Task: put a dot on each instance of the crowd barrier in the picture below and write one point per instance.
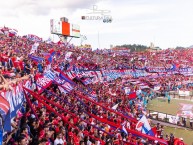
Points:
(171, 119)
(181, 95)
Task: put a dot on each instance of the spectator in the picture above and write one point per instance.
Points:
(58, 139)
(171, 140)
(169, 98)
(40, 67)
(191, 122)
(27, 68)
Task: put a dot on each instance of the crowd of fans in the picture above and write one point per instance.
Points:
(71, 119)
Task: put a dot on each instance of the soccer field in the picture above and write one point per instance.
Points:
(172, 108)
(161, 106)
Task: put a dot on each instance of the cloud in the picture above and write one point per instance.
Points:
(134, 21)
(41, 7)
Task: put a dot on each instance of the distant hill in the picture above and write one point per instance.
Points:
(190, 46)
(134, 47)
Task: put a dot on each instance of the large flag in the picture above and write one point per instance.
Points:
(15, 99)
(4, 107)
(143, 126)
(1, 136)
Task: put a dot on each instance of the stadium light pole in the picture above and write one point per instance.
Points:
(98, 40)
(82, 38)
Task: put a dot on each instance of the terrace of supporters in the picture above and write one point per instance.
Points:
(69, 95)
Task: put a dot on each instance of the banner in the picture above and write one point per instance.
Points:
(36, 58)
(156, 69)
(15, 99)
(183, 93)
(1, 135)
(185, 110)
(42, 81)
(4, 107)
(34, 48)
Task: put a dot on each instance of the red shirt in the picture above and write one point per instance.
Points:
(13, 59)
(76, 140)
(21, 64)
(75, 120)
(116, 142)
(16, 64)
(4, 58)
(180, 143)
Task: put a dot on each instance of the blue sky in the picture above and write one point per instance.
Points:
(166, 23)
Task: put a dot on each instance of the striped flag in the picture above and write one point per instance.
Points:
(4, 107)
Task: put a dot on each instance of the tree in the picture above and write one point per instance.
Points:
(134, 47)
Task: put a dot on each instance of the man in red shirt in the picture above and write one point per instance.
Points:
(180, 142)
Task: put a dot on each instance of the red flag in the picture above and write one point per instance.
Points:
(132, 95)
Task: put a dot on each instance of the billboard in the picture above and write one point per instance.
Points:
(55, 26)
(75, 30)
(64, 28)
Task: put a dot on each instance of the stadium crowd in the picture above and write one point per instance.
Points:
(72, 118)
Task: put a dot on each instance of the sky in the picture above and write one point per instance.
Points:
(166, 23)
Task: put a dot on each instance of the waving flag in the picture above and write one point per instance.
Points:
(49, 41)
(124, 129)
(143, 126)
(68, 55)
(52, 52)
(12, 32)
(36, 58)
(115, 106)
(34, 48)
(34, 38)
(48, 58)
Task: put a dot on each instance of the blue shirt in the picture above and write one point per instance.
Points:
(40, 67)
